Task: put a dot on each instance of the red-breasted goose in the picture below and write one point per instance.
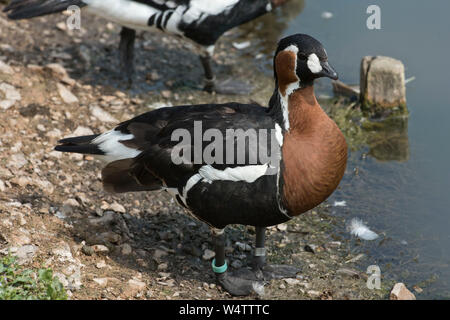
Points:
(202, 21)
(229, 173)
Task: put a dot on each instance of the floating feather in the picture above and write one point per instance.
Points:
(342, 203)
(359, 229)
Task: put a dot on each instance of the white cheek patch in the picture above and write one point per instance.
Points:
(314, 63)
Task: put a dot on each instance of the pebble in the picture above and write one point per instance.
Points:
(17, 161)
(282, 227)
(158, 254)
(400, 292)
(237, 264)
(291, 281)
(162, 266)
(4, 68)
(63, 252)
(134, 286)
(99, 248)
(101, 264)
(117, 207)
(11, 96)
(102, 115)
(66, 95)
(126, 249)
(102, 282)
(81, 131)
(348, 272)
(243, 246)
(25, 254)
(313, 293)
(310, 248)
(208, 254)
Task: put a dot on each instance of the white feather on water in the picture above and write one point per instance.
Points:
(342, 203)
(360, 230)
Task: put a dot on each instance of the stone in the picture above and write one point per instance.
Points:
(102, 115)
(237, 264)
(11, 96)
(101, 264)
(400, 292)
(291, 281)
(99, 248)
(81, 131)
(348, 272)
(134, 286)
(102, 282)
(158, 254)
(4, 68)
(117, 208)
(126, 249)
(87, 250)
(313, 293)
(208, 254)
(243, 246)
(66, 95)
(25, 254)
(18, 160)
(63, 252)
(382, 84)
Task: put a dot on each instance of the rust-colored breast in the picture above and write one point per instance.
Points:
(314, 155)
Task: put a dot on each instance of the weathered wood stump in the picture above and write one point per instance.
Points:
(382, 85)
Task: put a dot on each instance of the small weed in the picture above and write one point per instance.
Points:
(17, 283)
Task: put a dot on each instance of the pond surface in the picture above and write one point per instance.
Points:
(399, 187)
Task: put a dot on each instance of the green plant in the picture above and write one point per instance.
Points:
(17, 283)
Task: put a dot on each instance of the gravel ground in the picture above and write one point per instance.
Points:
(56, 83)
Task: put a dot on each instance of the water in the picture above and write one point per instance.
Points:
(402, 194)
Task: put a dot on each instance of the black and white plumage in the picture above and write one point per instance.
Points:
(307, 156)
(138, 156)
(201, 21)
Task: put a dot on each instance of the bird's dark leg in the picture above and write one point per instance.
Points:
(260, 251)
(209, 75)
(234, 285)
(228, 86)
(126, 51)
(269, 271)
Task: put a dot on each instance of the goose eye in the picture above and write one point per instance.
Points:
(302, 56)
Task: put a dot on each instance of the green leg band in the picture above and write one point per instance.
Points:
(220, 269)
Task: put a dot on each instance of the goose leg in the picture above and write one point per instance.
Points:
(276, 271)
(126, 51)
(234, 285)
(228, 86)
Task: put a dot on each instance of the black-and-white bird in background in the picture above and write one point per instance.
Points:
(202, 21)
(250, 190)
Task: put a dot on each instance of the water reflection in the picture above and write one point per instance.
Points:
(388, 139)
(268, 29)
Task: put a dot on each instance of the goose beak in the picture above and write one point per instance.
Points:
(328, 71)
